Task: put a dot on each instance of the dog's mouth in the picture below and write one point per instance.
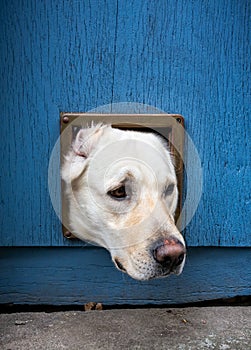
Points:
(119, 265)
(155, 262)
(167, 273)
(154, 275)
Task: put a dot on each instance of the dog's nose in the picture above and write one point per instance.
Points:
(170, 253)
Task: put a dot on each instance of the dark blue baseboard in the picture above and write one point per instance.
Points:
(63, 276)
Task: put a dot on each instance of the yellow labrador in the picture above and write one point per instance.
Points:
(122, 193)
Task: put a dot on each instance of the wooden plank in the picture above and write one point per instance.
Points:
(54, 55)
(190, 58)
(193, 58)
(76, 276)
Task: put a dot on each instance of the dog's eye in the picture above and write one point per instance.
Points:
(118, 193)
(169, 190)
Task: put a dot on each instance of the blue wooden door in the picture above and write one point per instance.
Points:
(186, 57)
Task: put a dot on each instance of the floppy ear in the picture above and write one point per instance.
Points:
(84, 143)
(87, 139)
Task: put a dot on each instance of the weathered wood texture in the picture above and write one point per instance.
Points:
(77, 276)
(187, 57)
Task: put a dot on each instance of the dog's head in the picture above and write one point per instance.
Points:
(122, 192)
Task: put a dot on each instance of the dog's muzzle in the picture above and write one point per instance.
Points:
(165, 257)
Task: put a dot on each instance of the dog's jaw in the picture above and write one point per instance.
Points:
(147, 270)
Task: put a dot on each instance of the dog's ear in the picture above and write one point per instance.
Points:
(87, 139)
(84, 143)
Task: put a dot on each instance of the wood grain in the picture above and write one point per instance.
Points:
(70, 276)
(185, 57)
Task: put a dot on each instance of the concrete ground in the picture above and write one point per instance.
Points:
(221, 328)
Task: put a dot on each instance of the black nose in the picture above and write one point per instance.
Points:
(170, 253)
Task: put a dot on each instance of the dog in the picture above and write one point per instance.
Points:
(122, 192)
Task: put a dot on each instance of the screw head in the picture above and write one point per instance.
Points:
(67, 234)
(66, 120)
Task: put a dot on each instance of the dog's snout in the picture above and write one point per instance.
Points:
(170, 253)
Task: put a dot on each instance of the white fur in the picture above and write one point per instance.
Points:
(100, 158)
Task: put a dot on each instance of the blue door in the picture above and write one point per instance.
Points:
(185, 57)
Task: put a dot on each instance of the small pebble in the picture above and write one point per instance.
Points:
(20, 322)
